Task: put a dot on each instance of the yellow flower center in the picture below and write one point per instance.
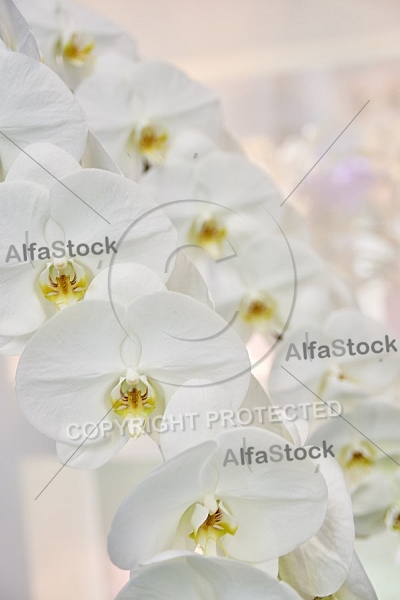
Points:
(77, 50)
(208, 533)
(63, 284)
(257, 310)
(392, 519)
(134, 399)
(360, 455)
(151, 142)
(208, 232)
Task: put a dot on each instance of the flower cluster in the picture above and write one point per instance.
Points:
(204, 275)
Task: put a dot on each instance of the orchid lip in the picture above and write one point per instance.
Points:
(215, 526)
(63, 282)
(360, 455)
(392, 518)
(209, 232)
(134, 398)
(258, 309)
(76, 50)
(150, 141)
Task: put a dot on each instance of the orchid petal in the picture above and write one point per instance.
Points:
(186, 279)
(320, 566)
(96, 156)
(37, 107)
(15, 31)
(357, 585)
(195, 577)
(39, 161)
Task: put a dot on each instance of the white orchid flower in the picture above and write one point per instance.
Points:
(196, 577)
(218, 190)
(269, 287)
(54, 241)
(72, 38)
(334, 369)
(253, 514)
(373, 479)
(94, 367)
(139, 112)
(320, 566)
(36, 107)
(15, 34)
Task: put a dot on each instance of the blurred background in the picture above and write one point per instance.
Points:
(291, 74)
